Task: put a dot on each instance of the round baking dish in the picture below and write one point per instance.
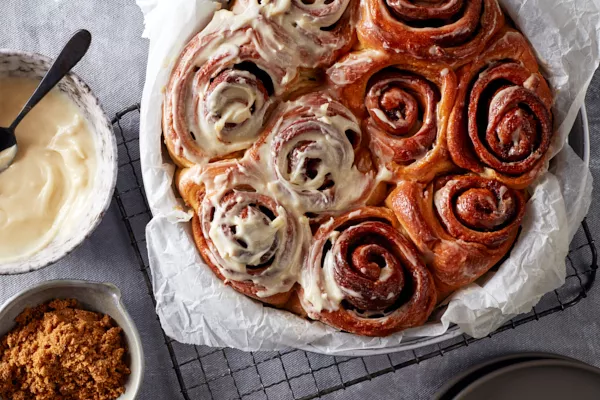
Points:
(14, 63)
(104, 298)
(256, 327)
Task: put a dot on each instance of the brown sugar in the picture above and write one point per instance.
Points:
(58, 351)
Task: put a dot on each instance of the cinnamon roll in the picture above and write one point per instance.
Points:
(405, 104)
(223, 86)
(501, 124)
(451, 31)
(313, 157)
(462, 224)
(321, 30)
(363, 276)
(249, 240)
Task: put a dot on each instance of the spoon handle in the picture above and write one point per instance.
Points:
(70, 55)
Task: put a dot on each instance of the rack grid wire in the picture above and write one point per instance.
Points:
(223, 373)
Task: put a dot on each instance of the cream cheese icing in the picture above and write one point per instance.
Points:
(49, 182)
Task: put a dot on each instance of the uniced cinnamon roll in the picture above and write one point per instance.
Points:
(405, 104)
(462, 224)
(501, 124)
(451, 31)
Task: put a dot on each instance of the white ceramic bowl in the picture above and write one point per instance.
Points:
(104, 298)
(31, 65)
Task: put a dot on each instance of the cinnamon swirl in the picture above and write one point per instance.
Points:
(321, 30)
(462, 224)
(363, 276)
(312, 152)
(451, 31)
(405, 104)
(247, 238)
(223, 86)
(501, 124)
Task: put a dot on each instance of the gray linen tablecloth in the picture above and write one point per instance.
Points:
(115, 69)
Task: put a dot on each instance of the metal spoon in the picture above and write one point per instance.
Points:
(70, 55)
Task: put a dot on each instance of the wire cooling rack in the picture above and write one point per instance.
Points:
(222, 373)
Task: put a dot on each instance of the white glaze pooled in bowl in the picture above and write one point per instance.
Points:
(19, 64)
(48, 184)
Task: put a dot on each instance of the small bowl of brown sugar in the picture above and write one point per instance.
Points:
(69, 340)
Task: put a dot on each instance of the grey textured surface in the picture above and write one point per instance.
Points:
(115, 69)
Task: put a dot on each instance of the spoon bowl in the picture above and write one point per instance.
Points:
(9, 146)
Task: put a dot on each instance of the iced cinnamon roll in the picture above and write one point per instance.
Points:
(363, 276)
(249, 239)
(223, 87)
(320, 30)
(313, 156)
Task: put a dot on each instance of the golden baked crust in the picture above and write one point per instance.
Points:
(406, 296)
(452, 31)
(462, 224)
(375, 84)
(58, 351)
(389, 168)
(492, 150)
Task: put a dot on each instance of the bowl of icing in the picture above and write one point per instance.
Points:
(60, 185)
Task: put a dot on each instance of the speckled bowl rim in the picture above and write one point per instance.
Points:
(25, 267)
(134, 337)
